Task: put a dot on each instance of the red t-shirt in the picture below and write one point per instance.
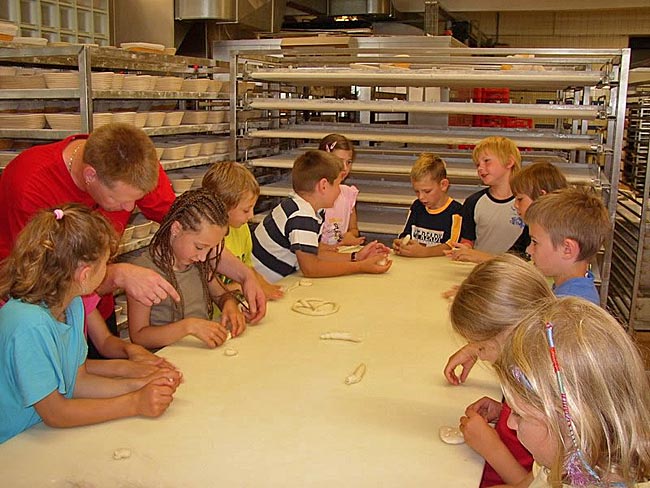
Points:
(509, 438)
(38, 178)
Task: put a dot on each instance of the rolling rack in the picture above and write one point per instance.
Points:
(629, 297)
(290, 87)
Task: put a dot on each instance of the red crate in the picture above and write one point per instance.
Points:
(489, 121)
(491, 95)
(516, 123)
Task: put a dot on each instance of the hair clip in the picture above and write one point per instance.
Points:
(521, 378)
(330, 147)
(58, 213)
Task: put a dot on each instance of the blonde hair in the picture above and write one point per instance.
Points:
(122, 152)
(231, 182)
(332, 142)
(495, 296)
(47, 252)
(311, 167)
(428, 164)
(572, 213)
(537, 179)
(503, 148)
(607, 389)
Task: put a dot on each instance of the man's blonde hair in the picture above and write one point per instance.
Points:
(606, 385)
(537, 179)
(311, 167)
(428, 164)
(503, 148)
(122, 152)
(495, 296)
(573, 213)
(231, 182)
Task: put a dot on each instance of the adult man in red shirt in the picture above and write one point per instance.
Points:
(113, 170)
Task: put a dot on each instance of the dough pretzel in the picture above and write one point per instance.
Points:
(315, 306)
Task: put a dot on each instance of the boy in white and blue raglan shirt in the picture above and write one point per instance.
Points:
(567, 229)
(490, 221)
(287, 238)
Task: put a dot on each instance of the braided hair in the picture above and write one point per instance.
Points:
(191, 210)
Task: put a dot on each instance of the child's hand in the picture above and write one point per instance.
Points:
(487, 408)
(350, 239)
(153, 399)
(212, 333)
(373, 248)
(139, 354)
(232, 317)
(272, 292)
(450, 293)
(478, 433)
(376, 264)
(465, 357)
(463, 252)
(410, 249)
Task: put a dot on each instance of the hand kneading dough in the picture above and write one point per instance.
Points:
(451, 435)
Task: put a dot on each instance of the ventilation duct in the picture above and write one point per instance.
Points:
(225, 10)
(263, 15)
(361, 7)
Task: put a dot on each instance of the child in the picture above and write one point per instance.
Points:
(287, 239)
(238, 190)
(434, 220)
(340, 223)
(186, 251)
(60, 255)
(567, 229)
(580, 397)
(490, 221)
(488, 305)
(527, 186)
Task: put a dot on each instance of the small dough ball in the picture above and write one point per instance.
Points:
(406, 239)
(382, 262)
(305, 282)
(451, 435)
(121, 453)
(229, 352)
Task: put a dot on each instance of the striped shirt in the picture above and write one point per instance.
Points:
(291, 226)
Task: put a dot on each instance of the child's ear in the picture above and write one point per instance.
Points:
(176, 228)
(82, 273)
(511, 162)
(321, 186)
(444, 184)
(570, 249)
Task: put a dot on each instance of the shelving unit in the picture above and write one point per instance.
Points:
(73, 21)
(87, 59)
(629, 298)
(586, 90)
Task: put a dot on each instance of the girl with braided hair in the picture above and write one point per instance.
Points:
(60, 255)
(186, 251)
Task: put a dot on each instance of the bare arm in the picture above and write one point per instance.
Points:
(119, 368)
(314, 266)
(142, 332)
(413, 249)
(234, 269)
(524, 483)
(115, 399)
(145, 285)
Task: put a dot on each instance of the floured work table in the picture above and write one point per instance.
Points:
(278, 414)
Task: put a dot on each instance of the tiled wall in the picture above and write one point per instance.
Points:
(585, 29)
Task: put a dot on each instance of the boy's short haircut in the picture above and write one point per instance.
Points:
(428, 164)
(537, 179)
(572, 213)
(311, 167)
(231, 182)
(124, 153)
(502, 147)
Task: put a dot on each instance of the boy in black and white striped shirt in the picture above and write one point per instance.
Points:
(287, 239)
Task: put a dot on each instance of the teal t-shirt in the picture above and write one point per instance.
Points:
(38, 354)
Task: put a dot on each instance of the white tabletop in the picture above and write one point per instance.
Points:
(278, 414)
